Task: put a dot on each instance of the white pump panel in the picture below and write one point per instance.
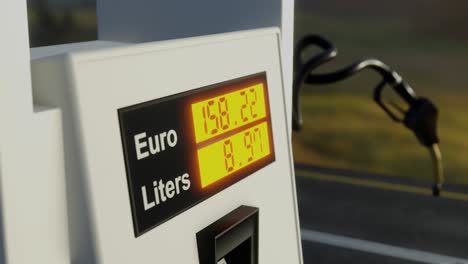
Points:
(90, 86)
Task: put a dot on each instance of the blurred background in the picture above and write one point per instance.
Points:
(426, 41)
(358, 171)
(54, 22)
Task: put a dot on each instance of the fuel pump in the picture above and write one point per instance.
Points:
(165, 140)
(420, 116)
(176, 151)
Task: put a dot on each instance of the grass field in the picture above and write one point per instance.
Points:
(343, 126)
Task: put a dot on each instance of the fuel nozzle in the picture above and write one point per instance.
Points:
(421, 118)
(438, 169)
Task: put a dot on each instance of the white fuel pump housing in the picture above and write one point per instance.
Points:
(119, 100)
(51, 204)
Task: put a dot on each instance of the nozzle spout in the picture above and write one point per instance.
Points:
(437, 168)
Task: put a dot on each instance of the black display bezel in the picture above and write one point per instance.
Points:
(177, 106)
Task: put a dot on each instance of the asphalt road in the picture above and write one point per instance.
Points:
(348, 220)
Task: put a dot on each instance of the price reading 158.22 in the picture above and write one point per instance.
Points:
(227, 112)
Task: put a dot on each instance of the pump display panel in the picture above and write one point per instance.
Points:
(182, 149)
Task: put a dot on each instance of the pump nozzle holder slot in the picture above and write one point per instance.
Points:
(234, 238)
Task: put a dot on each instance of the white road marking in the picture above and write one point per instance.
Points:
(378, 248)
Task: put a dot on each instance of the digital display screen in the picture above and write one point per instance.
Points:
(227, 115)
(182, 149)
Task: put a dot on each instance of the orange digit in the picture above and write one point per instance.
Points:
(244, 106)
(224, 116)
(228, 156)
(258, 138)
(213, 117)
(248, 144)
(253, 102)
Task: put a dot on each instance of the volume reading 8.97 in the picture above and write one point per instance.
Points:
(233, 153)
